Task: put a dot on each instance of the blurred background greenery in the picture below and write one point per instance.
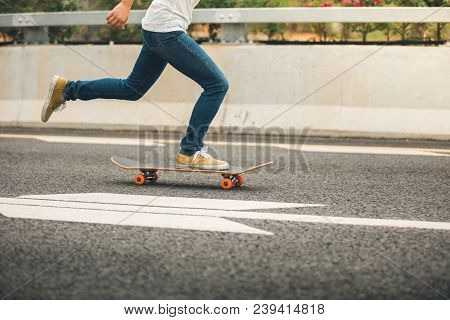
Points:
(269, 32)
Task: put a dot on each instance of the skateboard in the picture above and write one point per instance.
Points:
(149, 172)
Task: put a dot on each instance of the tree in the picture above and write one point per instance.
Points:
(436, 3)
(363, 28)
(403, 29)
(271, 29)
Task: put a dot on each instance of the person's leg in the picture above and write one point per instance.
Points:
(185, 55)
(146, 71)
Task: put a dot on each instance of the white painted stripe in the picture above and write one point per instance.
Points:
(156, 201)
(85, 140)
(303, 147)
(340, 148)
(365, 150)
(138, 219)
(24, 203)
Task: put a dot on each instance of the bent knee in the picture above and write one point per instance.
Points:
(134, 93)
(135, 96)
(220, 85)
(225, 85)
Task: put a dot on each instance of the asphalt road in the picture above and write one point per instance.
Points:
(42, 259)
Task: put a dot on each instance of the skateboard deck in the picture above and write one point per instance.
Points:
(232, 177)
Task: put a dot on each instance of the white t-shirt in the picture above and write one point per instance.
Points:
(169, 15)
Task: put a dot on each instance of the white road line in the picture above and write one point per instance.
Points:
(303, 147)
(340, 148)
(84, 140)
(155, 201)
(367, 150)
(50, 210)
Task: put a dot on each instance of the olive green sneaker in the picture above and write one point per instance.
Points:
(200, 160)
(55, 100)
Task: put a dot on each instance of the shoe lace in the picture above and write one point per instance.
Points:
(204, 153)
(61, 107)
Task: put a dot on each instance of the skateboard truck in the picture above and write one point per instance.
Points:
(228, 181)
(146, 176)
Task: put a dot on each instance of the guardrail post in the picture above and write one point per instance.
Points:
(233, 32)
(36, 35)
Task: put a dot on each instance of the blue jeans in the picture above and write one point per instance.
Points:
(159, 49)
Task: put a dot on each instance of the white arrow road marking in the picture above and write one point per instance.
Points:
(155, 201)
(127, 218)
(302, 147)
(172, 216)
(225, 213)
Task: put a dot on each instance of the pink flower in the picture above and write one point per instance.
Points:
(377, 1)
(357, 4)
(346, 1)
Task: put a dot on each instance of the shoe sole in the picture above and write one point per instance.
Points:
(49, 98)
(182, 166)
(186, 166)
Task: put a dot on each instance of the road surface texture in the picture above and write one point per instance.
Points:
(43, 257)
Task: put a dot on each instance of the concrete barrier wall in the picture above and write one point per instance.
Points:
(363, 91)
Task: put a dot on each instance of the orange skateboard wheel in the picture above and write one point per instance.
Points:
(226, 184)
(239, 181)
(139, 179)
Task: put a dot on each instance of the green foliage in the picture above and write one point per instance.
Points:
(109, 4)
(270, 29)
(39, 5)
(44, 6)
(243, 3)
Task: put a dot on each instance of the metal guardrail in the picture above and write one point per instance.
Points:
(234, 19)
(242, 15)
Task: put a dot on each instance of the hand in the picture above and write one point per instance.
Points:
(118, 16)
